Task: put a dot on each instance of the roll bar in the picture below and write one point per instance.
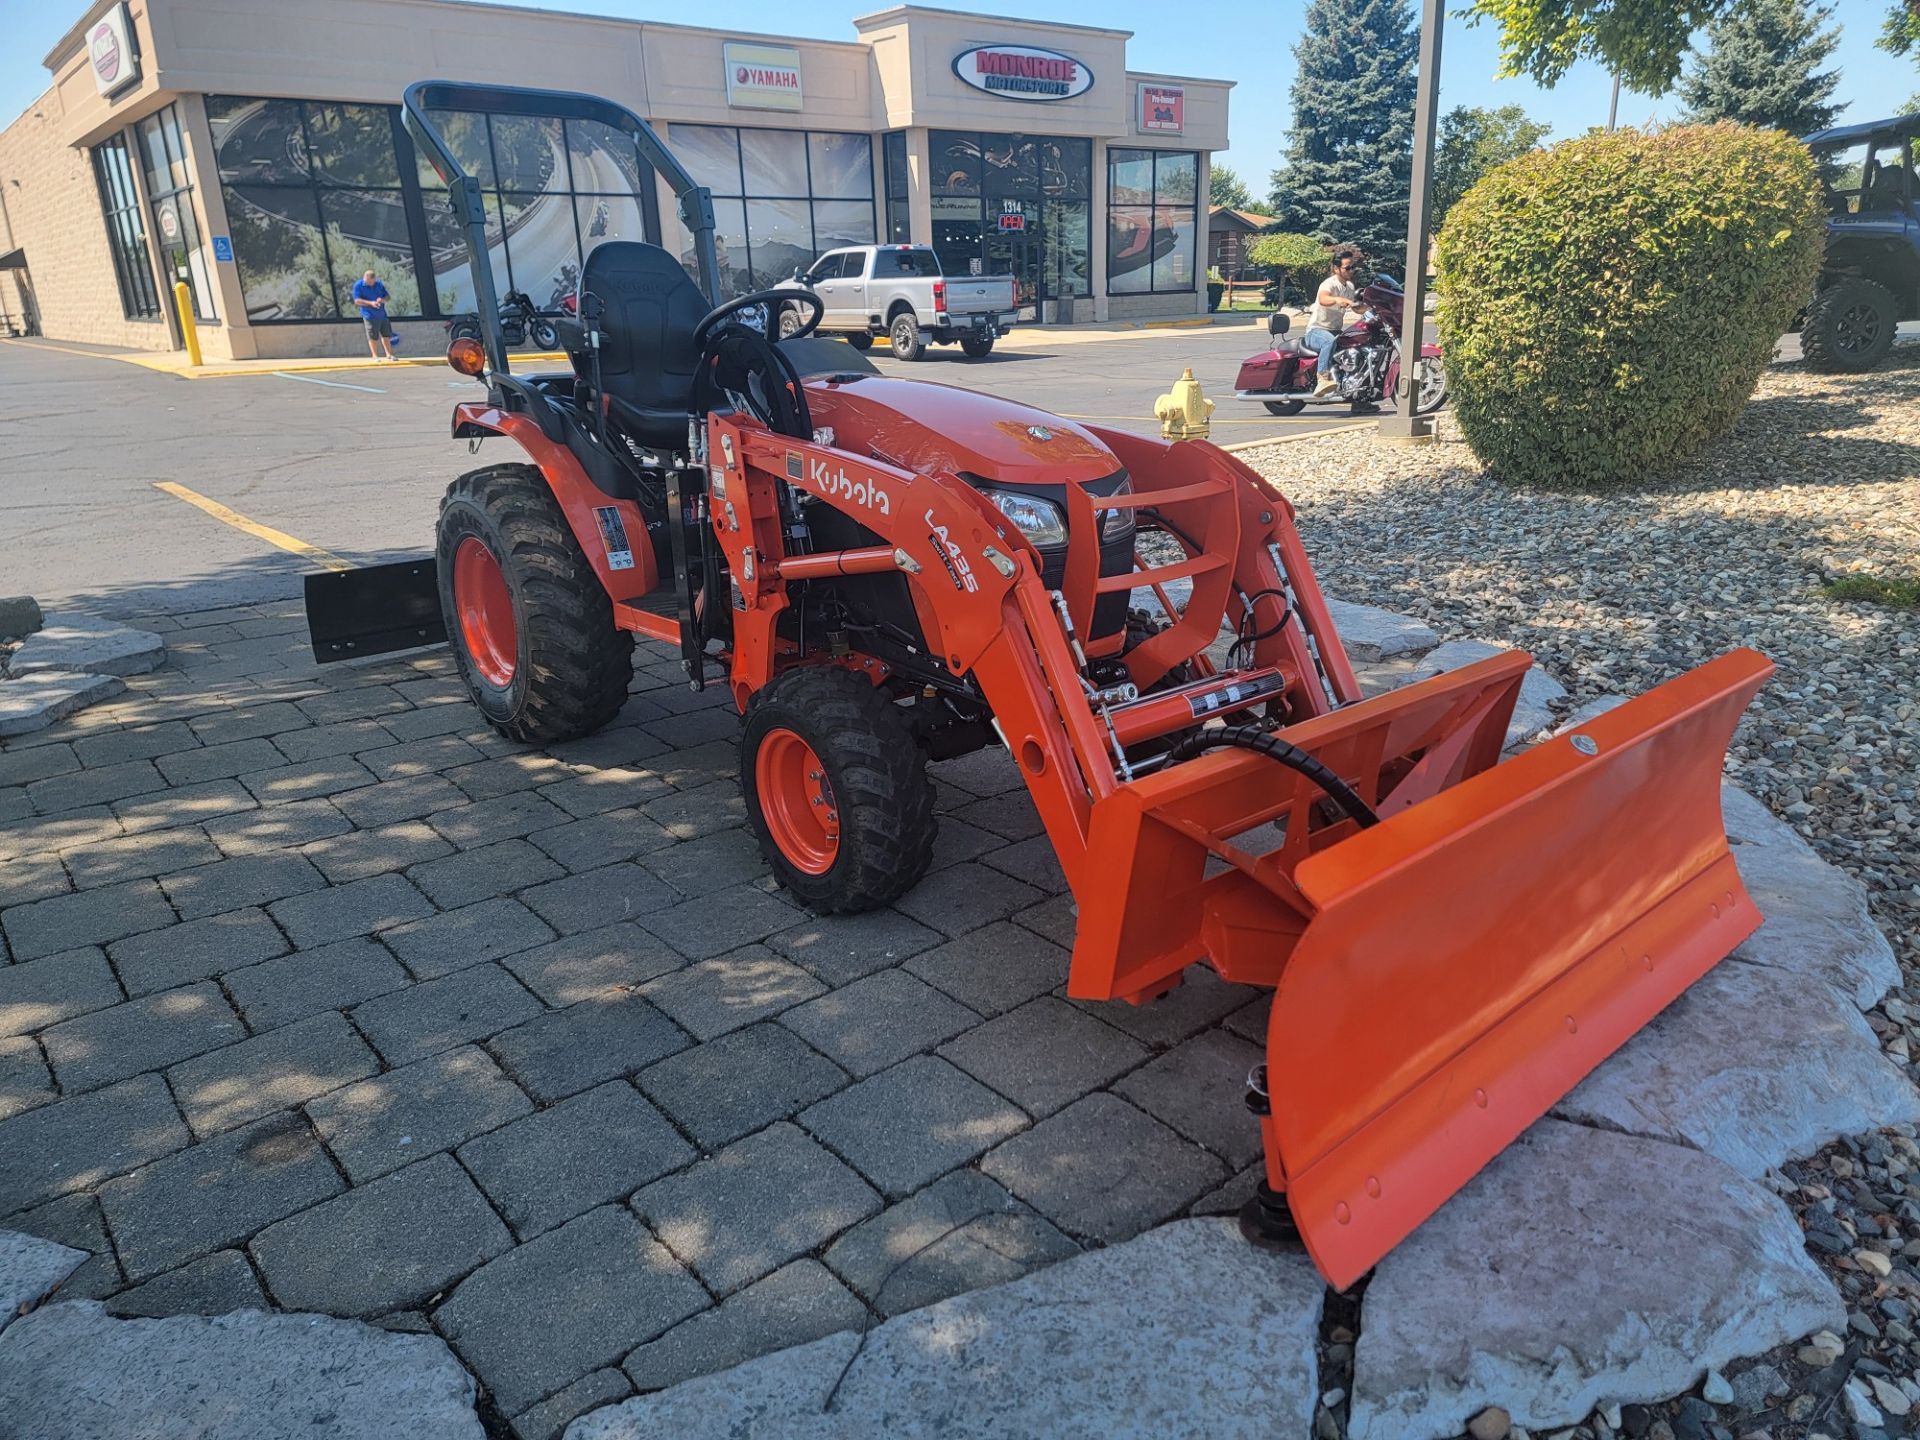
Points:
(424, 96)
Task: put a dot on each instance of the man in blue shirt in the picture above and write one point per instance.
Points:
(370, 295)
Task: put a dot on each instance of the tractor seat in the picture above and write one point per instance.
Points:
(648, 309)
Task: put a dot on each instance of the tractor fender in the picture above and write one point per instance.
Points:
(600, 522)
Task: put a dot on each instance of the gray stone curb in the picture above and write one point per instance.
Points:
(1186, 1330)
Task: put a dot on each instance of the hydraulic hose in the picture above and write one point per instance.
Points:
(1252, 737)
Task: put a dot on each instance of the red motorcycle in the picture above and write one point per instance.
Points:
(1365, 364)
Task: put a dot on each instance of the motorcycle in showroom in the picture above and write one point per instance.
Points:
(520, 321)
(1365, 363)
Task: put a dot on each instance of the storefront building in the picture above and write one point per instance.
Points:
(254, 151)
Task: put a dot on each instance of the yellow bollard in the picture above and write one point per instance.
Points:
(183, 302)
(1183, 412)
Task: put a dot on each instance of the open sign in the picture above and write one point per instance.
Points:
(1014, 221)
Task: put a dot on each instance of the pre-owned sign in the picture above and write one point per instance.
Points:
(110, 51)
(1023, 72)
(1163, 108)
(762, 77)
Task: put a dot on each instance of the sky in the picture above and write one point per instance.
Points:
(1219, 40)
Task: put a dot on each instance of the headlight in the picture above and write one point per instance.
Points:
(1118, 522)
(1039, 520)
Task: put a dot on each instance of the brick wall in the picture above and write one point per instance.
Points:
(53, 210)
(1163, 306)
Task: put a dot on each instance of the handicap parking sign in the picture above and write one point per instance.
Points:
(223, 248)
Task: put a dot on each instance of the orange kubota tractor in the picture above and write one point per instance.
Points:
(885, 572)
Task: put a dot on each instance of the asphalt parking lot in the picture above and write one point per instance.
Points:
(354, 462)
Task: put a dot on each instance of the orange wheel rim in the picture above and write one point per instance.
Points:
(485, 607)
(796, 799)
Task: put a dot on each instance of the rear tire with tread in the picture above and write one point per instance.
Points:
(878, 780)
(903, 333)
(1831, 340)
(977, 349)
(860, 340)
(573, 664)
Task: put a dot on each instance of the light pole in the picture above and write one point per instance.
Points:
(1613, 105)
(1403, 425)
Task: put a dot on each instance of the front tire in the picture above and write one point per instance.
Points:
(1284, 407)
(1849, 327)
(837, 790)
(977, 347)
(531, 628)
(544, 336)
(789, 322)
(905, 337)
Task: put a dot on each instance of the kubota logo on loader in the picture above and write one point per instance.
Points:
(951, 556)
(839, 486)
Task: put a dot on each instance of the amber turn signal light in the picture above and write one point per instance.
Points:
(467, 356)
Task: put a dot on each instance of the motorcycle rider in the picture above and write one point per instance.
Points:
(1336, 297)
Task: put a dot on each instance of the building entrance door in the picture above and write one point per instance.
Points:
(1014, 246)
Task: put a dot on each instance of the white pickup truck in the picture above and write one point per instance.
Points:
(899, 291)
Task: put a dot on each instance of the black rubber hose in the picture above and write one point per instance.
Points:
(1251, 737)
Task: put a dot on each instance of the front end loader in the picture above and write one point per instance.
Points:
(886, 572)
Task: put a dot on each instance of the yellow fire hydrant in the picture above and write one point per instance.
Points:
(1183, 411)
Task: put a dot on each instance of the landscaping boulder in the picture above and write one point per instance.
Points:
(71, 1372)
(70, 642)
(19, 616)
(1580, 1268)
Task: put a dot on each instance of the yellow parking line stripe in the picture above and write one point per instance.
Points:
(277, 538)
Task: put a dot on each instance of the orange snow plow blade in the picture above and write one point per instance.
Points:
(1471, 957)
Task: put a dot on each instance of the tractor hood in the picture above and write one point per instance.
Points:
(941, 429)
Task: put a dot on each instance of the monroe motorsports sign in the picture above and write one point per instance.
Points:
(1023, 72)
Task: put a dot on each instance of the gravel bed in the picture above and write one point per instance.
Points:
(1615, 593)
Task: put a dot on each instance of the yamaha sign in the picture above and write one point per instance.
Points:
(1023, 72)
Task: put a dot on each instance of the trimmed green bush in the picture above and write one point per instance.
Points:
(1607, 306)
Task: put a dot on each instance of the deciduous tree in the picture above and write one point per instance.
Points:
(1228, 189)
(1642, 41)
(1472, 141)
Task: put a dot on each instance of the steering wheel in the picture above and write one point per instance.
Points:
(773, 300)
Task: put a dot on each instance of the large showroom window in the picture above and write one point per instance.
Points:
(780, 198)
(555, 191)
(126, 236)
(170, 194)
(317, 194)
(1014, 205)
(315, 199)
(1152, 218)
(899, 221)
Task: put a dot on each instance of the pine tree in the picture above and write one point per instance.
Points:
(1761, 68)
(1349, 157)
